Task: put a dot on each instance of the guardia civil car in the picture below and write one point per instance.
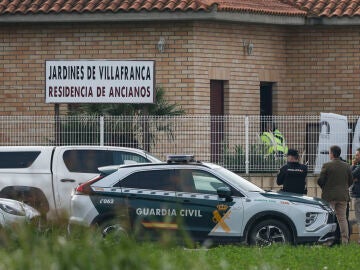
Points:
(204, 200)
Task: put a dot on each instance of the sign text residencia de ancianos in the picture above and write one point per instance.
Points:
(100, 81)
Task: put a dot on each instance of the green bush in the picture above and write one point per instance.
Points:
(51, 248)
(127, 130)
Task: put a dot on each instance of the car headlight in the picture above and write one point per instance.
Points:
(327, 208)
(12, 210)
(30, 211)
(310, 218)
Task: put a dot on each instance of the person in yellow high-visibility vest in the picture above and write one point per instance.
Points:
(275, 142)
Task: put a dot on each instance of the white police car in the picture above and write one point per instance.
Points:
(15, 212)
(205, 200)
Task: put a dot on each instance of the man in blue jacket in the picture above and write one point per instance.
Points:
(293, 174)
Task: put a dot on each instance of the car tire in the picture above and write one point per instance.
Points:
(268, 232)
(113, 228)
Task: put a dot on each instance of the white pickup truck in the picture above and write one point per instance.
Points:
(44, 176)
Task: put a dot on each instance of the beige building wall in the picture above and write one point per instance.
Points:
(323, 71)
(220, 55)
(25, 47)
(314, 69)
(195, 53)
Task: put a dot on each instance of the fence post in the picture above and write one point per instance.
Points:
(246, 144)
(101, 130)
(57, 125)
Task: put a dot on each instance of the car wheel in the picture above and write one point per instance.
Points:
(268, 232)
(113, 229)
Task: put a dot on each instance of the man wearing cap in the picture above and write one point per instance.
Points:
(293, 174)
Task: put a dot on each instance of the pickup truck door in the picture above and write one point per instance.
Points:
(72, 166)
(65, 179)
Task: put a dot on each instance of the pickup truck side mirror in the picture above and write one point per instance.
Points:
(224, 192)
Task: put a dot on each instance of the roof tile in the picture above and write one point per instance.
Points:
(89, 6)
(12, 6)
(55, 7)
(326, 8)
(273, 7)
(319, 6)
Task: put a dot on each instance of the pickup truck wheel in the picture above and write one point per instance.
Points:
(268, 232)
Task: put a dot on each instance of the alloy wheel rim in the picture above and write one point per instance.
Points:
(268, 235)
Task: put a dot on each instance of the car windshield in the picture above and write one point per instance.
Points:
(237, 180)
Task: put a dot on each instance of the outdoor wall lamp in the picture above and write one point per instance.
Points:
(248, 47)
(161, 45)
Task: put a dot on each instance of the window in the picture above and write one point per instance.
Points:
(122, 157)
(198, 181)
(17, 160)
(206, 183)
(217, 123)
(88, 161)
(183, 180)
(266, 103)
(156, 179)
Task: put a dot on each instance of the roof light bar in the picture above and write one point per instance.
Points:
(180, 158)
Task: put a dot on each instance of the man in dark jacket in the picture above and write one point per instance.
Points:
(355, 188)
(335, 180)
(293, 174)
(355, 170)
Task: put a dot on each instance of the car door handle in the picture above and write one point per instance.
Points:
(67, 180)
(186, 201)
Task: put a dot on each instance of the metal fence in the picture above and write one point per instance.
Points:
(232, 141)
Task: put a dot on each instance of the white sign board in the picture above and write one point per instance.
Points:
(100, 81)
(333, 131)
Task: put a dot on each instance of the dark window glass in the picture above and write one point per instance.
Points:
(156, 179)
(88, 161)
(17, 160)
(183, 180)
(217, 123)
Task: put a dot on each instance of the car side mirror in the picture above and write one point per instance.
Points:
(224, 192)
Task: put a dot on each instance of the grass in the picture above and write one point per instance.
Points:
(28, 248)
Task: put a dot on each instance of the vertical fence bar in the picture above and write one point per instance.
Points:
(246, 144)
(57, 124)
(102, 131)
